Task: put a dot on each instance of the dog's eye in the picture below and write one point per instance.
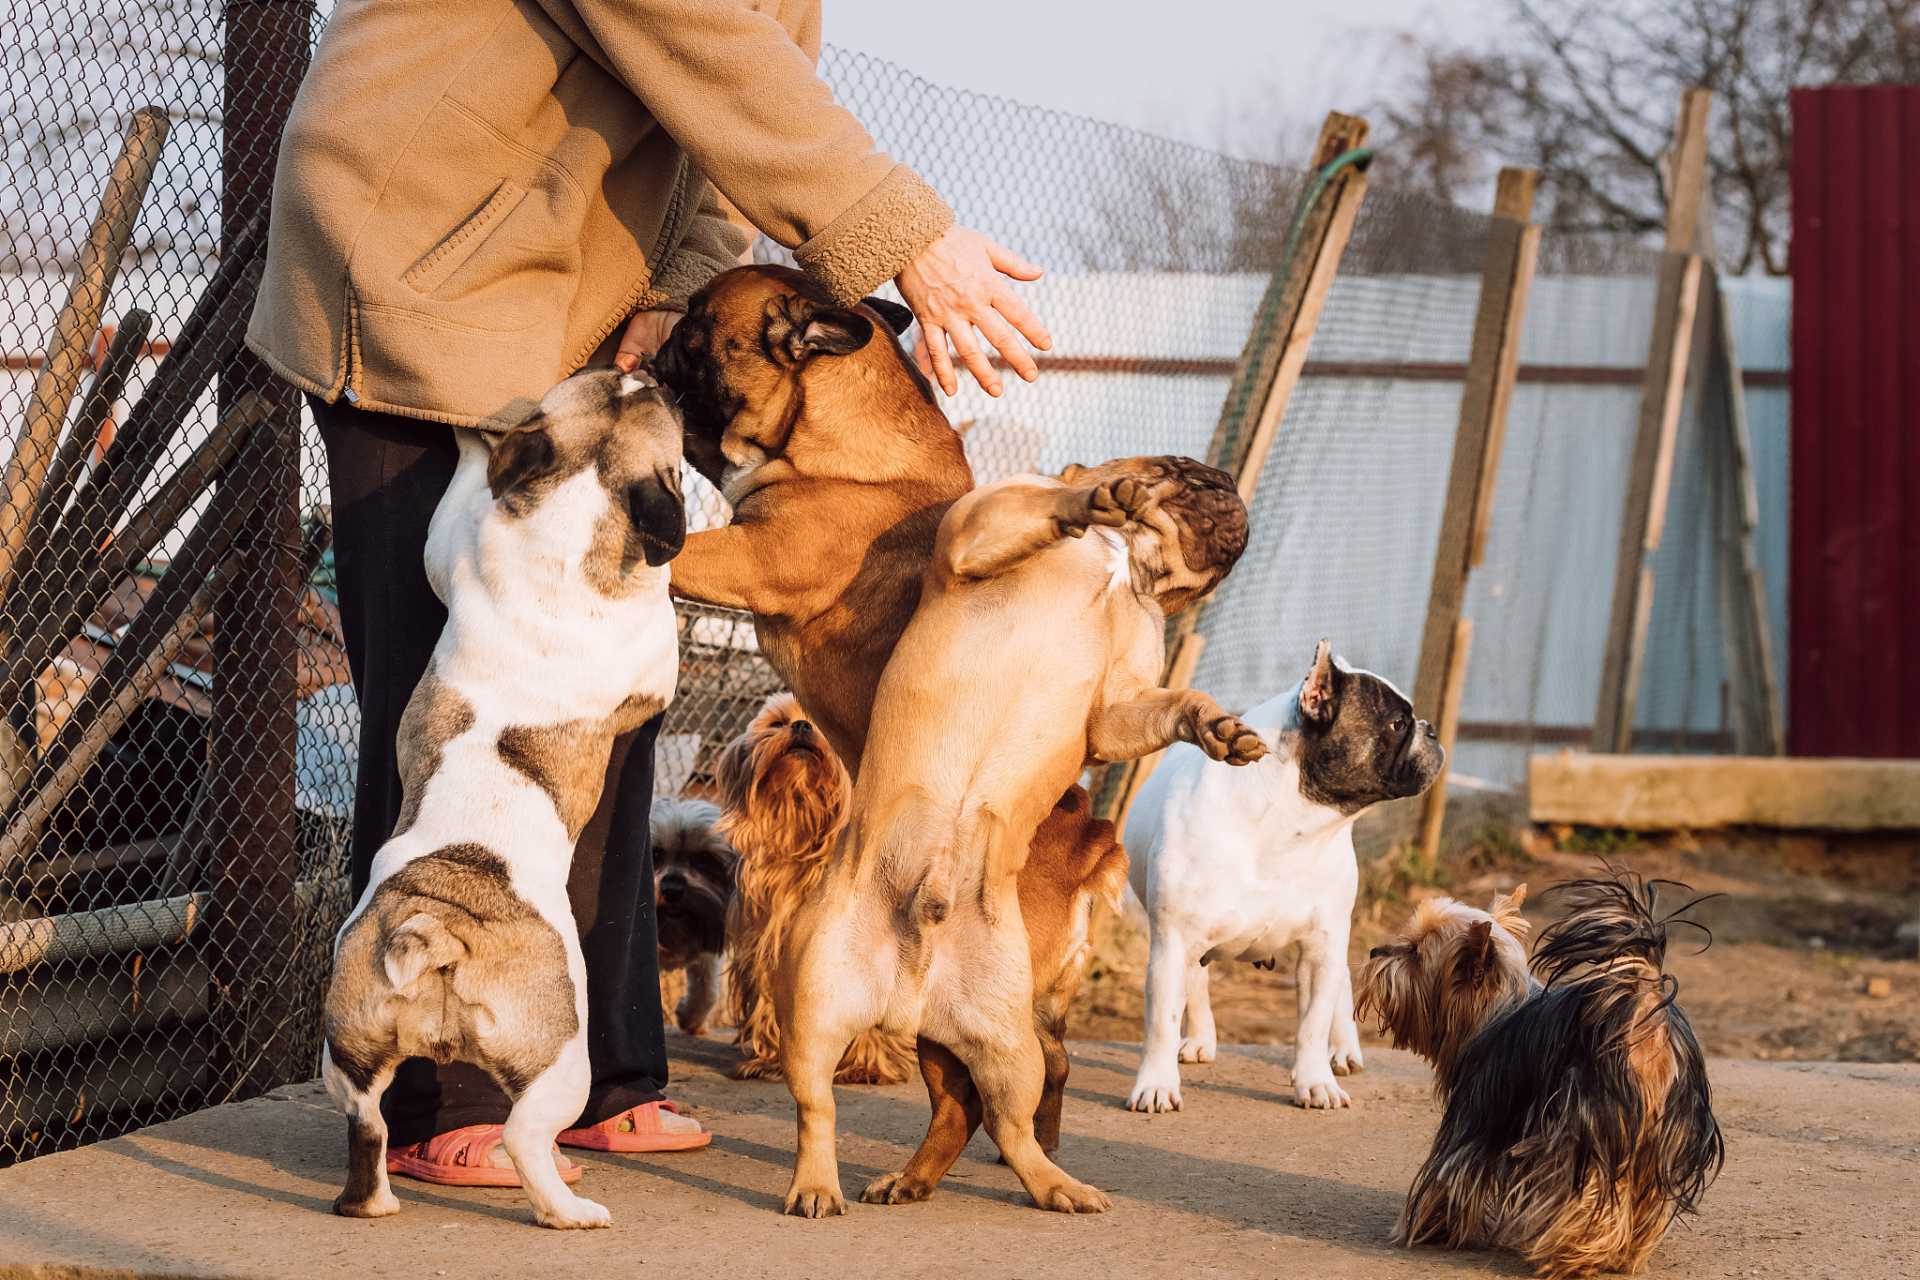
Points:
(1399, 723)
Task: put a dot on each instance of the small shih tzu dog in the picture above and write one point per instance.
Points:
(693, 872)
(784, 798)
(1578, 1122)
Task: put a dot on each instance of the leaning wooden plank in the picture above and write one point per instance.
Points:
(1665, 793)
(73, 332)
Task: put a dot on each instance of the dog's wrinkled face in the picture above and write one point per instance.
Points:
(737, 358)
(693, 873)
(1359, 742)
(1454, 967)
(781, 785)
(1193, 534)
(621, 428)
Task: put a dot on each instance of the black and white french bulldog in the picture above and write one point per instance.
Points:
(1239, 863)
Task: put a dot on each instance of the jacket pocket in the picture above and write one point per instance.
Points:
(431, 271)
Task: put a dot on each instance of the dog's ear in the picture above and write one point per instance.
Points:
(1477, 956)
(524, 456)
(659, 516)
(895, 316)
(1069, 472)
(1319, 700)
(800, 330)
(1506, 912)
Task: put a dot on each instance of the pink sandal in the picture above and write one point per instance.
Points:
(642, 1128)
(464, 1158)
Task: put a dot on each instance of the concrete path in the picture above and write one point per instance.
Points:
(1823, 1179)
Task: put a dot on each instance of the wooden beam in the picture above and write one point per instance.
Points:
(1493, 363)
(1434, 806)
(1667, 793)
(1650, 473)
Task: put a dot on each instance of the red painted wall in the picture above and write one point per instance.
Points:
(1853, 605)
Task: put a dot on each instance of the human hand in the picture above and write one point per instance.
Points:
(956, 285)
(644, 336)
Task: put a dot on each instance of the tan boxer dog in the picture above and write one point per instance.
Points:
(549, 554)
(1036, 649)
(839, 463)
(816, 427)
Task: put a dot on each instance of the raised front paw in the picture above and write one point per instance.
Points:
(1111, 503)
(1228, 738)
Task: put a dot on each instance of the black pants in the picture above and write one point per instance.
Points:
(388, 474)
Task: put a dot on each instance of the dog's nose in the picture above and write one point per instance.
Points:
(803, 731)
(672, 889)
(1377, 953)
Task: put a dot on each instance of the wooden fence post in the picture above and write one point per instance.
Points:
(1256, 400)
(1493, 364)
(1676, 299)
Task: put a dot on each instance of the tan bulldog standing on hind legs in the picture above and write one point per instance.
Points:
(1036, 649)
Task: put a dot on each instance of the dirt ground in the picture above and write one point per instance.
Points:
(1812, 956)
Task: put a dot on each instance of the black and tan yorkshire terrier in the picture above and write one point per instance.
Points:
(1578, 1118)
(784, 798)
(693, 873)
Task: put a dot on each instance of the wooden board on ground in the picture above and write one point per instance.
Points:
(1665, 793)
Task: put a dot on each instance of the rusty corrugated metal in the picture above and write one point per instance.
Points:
(1853, 621)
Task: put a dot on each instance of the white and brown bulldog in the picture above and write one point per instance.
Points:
(549, 555)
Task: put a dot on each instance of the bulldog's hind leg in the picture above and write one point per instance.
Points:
(987, 1020)
(368, 1194)
(549, 1103)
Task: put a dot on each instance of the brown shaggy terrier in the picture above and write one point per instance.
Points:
(783, 798)
(1578, 1122)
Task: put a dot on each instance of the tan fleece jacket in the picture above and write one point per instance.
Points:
(472, 194)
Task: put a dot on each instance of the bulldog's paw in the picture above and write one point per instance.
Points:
(1317, 1093)
(573, 1214)
(1155, 1091)
(814, 1202)
(896, 1188)
(1070, 1195)
(1228, 738)
(380, 1205)
(1110, 504)
(1346, 1060)
(1193, 1049)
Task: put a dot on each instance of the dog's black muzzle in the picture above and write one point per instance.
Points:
(659, 516)
(673, 889)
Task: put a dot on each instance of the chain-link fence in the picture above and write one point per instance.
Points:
(178, 756)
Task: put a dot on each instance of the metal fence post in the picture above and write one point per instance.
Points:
(252, 753)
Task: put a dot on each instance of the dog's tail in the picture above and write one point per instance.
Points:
(1615, 923)
(419, 944)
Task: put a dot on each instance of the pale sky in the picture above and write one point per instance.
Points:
(1204, 71)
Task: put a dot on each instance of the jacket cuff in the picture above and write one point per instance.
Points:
(873, 241)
